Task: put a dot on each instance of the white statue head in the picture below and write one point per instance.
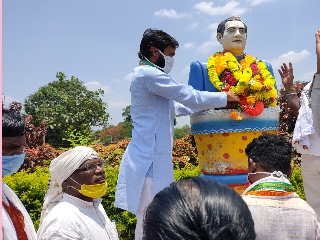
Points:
(232, 34)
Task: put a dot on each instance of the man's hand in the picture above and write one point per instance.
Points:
(232, 97)
(286, 75)
(318, 50)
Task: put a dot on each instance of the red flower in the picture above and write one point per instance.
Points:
(255, 110)
(229, 78)
(254, 68)
(243, 101)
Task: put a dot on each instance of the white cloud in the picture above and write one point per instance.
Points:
(189, 45)
(230, 8)
(213, 26)
(169, 13)
(193, 25)
(257, 2)
(93, 86)
(291, 56)
(129, 77)
(118, 104)
(207, 47)
(186, 70)
(306, 77)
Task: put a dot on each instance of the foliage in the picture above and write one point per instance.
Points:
(127, 122)
(189, 170)
(112, 153)
(30, 188)
(78, 138)
(38, 156)
(296, 181)
(183, 152)
(112, 134)
(35, 136)
(125, 220)
(181, 132)
(66, 103)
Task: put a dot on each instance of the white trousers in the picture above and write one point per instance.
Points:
(145, 200)
(310, 170)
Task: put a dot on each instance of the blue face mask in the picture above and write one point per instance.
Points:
(11, 164)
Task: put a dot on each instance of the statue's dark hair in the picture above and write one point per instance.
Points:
(272, 152)
(12, 124)
(197, 208)
(155, 38)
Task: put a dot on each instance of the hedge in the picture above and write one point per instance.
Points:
(31, 187)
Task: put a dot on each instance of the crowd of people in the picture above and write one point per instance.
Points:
(191, 208)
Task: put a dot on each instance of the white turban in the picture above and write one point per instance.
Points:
(60, 169)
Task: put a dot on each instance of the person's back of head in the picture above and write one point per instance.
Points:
(198, 208)
(155, 38)
(12, 124)
(272, 153)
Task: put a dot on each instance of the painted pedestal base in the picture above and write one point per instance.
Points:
(221, 143)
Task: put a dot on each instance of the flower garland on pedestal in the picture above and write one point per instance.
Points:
(249, 78)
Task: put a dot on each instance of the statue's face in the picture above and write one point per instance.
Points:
(234, 37)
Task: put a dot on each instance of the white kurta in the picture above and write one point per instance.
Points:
(152, 111)
(8, 230)
(315, 103)
(75, 219)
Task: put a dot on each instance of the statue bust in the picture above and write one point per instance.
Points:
(232, 34)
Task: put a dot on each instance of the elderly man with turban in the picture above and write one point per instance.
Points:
(72, 207)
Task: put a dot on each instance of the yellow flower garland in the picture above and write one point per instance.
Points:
(253, 79)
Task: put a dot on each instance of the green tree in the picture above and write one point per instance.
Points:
(181, 132)
(127, 124)
(66, 104)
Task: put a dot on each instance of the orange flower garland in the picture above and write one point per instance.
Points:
(249, 78)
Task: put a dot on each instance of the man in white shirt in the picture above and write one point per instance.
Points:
(16, 222)
(305, 139)
(72, 207)
(315, 94)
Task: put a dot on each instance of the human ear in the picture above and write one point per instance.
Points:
(219, 38)
(252, 165)
(153, 51)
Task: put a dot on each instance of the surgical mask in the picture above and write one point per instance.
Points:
(11, 164)
(168, 63)
(92, 191)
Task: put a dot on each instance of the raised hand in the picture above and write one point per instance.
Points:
(286, 75)
(318, 50)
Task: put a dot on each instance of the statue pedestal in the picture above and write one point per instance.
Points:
(221, 142)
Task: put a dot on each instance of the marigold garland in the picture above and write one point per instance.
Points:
(249, 78)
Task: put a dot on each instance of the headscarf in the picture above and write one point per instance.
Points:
(60, 169)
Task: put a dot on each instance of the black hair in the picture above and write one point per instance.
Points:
(198, 208)
(12, 124)
(221, 26)
(155, 38)
(272, 152)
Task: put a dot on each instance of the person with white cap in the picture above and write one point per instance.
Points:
(72, 206)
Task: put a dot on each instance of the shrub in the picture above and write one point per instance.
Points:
(183, 152)
(125, 221)
(296, 181)
(30, 188)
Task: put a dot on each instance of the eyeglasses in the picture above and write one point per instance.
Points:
(93, 166)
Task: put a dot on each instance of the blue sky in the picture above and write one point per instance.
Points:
(97, 41)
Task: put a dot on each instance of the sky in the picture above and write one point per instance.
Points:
(97, 41)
